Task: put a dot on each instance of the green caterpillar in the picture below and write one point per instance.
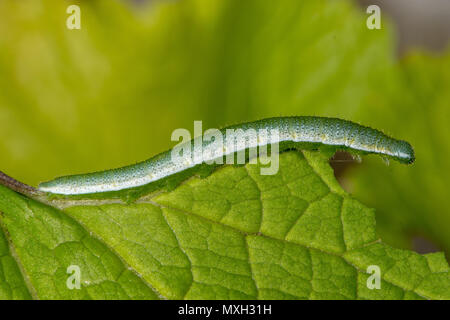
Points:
(292, 132)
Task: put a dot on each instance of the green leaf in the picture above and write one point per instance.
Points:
(415, 105)
(12, 284)
(233, 235)
(47, 242)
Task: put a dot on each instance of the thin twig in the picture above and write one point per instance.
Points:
(17, 186)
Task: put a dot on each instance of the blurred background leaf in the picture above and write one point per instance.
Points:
(415, 200)
(110, 94)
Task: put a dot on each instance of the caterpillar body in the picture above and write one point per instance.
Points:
(302, 132)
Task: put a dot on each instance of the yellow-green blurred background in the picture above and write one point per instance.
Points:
(111, 94)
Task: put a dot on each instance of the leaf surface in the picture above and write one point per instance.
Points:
(233, 235)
